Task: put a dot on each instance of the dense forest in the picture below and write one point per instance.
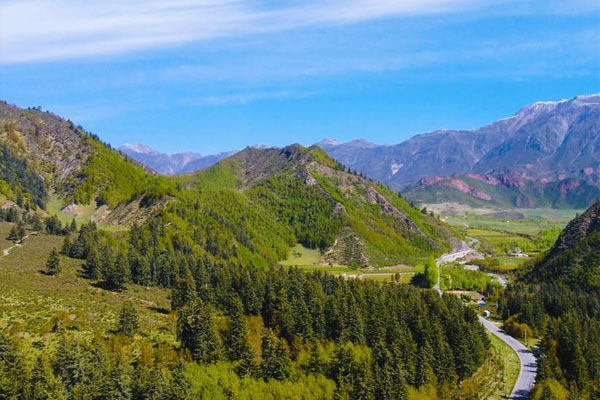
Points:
(558, 299)
(318, 335)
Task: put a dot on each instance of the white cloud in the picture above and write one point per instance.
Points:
(40, 30)
(248, 97)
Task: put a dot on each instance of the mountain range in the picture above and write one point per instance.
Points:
(171, 164)
(252, 206)
(546, 155)
(546, 140)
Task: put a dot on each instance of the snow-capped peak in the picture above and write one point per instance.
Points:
(138, 148)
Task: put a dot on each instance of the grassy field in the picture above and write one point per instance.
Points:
(303, 256)
(36, 306)
(510, 263)
(497, 376)
(5, 228)
(82, 213)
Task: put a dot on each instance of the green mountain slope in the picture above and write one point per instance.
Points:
(43, 154)
(575, 257)
(303, 192)
(259, 202)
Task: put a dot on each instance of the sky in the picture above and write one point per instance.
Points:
(215, 75)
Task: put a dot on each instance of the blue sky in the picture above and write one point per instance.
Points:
(215, 75)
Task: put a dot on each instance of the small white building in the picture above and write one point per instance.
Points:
(486, 313)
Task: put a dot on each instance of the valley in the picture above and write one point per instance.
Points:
(273, 271)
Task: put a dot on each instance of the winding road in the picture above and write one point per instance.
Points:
(528, 370)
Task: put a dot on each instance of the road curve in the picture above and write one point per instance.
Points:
(461, 252)
(528, 370)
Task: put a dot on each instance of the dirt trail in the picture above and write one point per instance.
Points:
(7, 251)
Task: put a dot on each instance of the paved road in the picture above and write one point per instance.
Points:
(461, 252)
(528, 362)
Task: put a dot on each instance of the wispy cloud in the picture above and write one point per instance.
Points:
(41, 30)
(248, 97)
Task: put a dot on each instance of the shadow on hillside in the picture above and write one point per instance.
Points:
(160, 310)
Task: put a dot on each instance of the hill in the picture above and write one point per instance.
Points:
(259, 202)
(46, 158)
(575, 257)
(506, 190)
(550, 140)
(314, 200)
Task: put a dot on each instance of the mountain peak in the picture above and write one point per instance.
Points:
(138, 148)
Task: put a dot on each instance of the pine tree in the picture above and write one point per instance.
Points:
(236, 337)
(53, 263)
(179, 385)
(118, 275)
(66, 247)
(275, 359)
(13, 236)
(119, 385)
(184, 291)
(73, 226)
(37, 224)
(247, 366)
(196, 332)
(128, 319)
(20, 231)
(11, 369)
(92, 264)
(547, 394)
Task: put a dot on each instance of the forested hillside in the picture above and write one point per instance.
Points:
(44, 154)
(354, 220)
(559, 300)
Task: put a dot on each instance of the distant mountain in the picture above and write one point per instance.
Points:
(546, 140)
(506, 190)
(575, 257)
(171, 164)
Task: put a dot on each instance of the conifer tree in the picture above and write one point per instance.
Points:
(20, 230)
(179, 385)
(184, 291)
(196, 332)
(13, 235)
(275, 359)
(73, 226)
(92, 263)
(37, 223)
(247, 366)
(118, 275)
(11, 369)
(119, 382)
(128, 319)
(66, 247)
(236, 338)
(53, 262)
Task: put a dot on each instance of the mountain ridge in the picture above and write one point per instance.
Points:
(171, 164)
(543, 140)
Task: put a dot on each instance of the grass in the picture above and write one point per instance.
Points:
(510, 263)
(34, 304)
(303, 256)
(5, 228)
(83, 213)
(497, 376)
